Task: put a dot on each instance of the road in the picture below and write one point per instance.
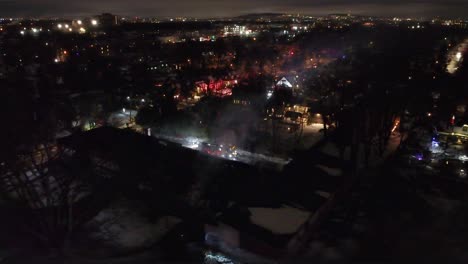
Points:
(239, 155)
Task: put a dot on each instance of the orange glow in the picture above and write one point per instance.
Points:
(396, 125)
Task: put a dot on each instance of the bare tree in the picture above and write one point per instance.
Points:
(47, 186)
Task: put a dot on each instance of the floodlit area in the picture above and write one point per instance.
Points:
(456, 57)
(223, 151)
(123, 118)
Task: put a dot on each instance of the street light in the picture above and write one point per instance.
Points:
(94, 22)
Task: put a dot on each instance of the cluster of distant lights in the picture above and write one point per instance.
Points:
(81, 29)
(296, 28)
(60, 26)
(32, 30)
(416, 27)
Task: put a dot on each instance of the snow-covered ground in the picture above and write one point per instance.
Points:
(311, 135)
(121, 118)
(123, 226)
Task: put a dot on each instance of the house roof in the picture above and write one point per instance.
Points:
(284, 82)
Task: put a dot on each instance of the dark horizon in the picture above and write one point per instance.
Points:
(213, 9)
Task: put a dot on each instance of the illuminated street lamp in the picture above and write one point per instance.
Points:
(59, 26)
(79, 22)
(94, 22)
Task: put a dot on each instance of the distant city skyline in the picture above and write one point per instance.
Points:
(225, 8)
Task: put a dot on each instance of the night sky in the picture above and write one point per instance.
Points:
(218, 8)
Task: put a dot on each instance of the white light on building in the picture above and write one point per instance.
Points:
(458, 56)
(94, 22)
(269, 94)
(59, 26)
(79, 22)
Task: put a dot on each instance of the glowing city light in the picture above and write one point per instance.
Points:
(59, 26)
(79, 22)
(458, 56)
(94, 22)
(269, 94)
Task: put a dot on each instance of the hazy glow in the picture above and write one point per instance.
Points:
(455, 57)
